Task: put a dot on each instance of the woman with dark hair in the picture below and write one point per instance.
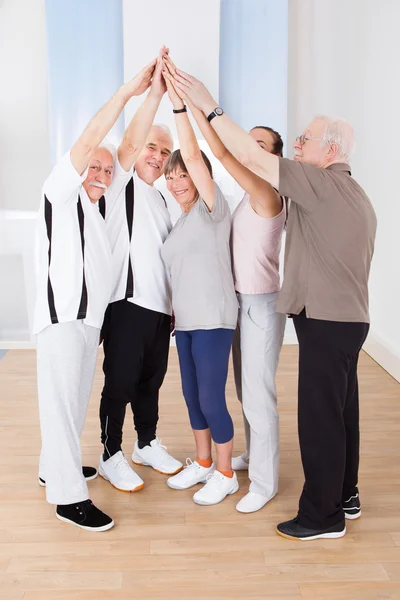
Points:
(257, 226)
(197, 257)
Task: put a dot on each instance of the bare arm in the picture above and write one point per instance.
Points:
(243, 147)
(101, 124)
(264, 199)
(189, 148)
(138, 129)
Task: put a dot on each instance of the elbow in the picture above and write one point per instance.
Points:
(129, 148)
(245, 160)
(221, 154)
(191, 157)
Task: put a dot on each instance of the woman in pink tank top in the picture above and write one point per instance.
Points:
(257, 226)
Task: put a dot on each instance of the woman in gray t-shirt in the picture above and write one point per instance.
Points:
(197, 258)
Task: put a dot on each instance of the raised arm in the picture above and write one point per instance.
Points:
(264, 199)
(138, 129)
(189, 147)
(236, 140)
(101, 124)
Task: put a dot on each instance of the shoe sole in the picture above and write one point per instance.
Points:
(86, 478)
(136, 489)
(330, 536)
(351, 517)
(99, 529)
(173, 487)
(248, 512)
(202, 503)
(142, 464)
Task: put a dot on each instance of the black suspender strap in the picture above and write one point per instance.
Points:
(84, 296)
(102, 207)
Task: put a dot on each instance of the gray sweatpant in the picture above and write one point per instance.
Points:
(66, 362)
(256, 348)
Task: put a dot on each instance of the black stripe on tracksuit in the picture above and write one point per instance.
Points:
(48, 217)
(129, 206)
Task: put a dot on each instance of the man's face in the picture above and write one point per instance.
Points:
(151, 161)
(309, 150)
(100, 171)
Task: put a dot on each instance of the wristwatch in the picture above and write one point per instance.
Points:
(217, 112)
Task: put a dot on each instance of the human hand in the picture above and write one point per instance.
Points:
(158, 86)
(193, 90)
(168, 69)
(142, 81)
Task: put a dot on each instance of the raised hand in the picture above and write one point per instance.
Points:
(142, 81)
(158, 86)
(174, 96)
(194, 90)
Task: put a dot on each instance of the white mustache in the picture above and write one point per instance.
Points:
(98, 184)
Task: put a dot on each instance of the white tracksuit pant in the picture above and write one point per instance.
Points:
(66, 362)
(256, 348)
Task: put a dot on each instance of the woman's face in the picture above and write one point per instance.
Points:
(264, 138)
(181, 186)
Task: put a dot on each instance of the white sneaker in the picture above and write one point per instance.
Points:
(251, 502)
(193, 473)
(218, 486)
(156, 456)
(240, 463)
(119, 473)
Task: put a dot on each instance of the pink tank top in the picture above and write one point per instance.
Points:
(255, 246)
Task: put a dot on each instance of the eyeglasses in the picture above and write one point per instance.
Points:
(302, 139)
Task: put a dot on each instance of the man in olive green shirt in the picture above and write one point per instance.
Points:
(329, 247)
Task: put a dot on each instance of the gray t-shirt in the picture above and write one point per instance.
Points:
(197, 257)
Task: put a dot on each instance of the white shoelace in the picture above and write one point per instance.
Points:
(160, 449)
(191, 465)
(214, 479)
(122, 465)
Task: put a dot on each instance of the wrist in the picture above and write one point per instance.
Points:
(156, 95)
(209, 106)
(178, 105)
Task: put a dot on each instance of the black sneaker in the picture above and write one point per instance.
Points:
(89, 473)
(85, 515)
(352, 507)
(295, 531)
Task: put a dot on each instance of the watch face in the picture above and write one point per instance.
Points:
(218, 111)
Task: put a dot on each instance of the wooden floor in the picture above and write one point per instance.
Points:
(165, 546)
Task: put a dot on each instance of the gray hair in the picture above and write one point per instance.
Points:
(166, 130)
(112, 149)
(339, 132)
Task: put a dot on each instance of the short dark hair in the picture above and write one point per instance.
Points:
(278, 142)
(175, 161)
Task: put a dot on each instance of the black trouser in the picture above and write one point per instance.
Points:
(328, 416)
(136, 346)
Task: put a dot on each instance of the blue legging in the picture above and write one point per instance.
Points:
(203, 359)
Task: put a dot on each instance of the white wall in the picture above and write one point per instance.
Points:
(191, 31)
(24, 139)
(24, 157)
(343, 61)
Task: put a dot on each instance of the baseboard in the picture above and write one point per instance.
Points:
(290, 339)
(383, 354)
(17, 345)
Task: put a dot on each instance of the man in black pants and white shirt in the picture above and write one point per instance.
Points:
(74, 285)
(137, 324)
